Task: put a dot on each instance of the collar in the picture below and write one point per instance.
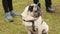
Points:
(31, 21)
(28, 20)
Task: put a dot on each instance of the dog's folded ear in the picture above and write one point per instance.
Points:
(38, 4)
(39, 10)
(30, 8)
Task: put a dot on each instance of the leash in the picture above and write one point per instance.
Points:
(33, 27)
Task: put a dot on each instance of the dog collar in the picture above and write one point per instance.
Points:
(28, 20)
(31, 21)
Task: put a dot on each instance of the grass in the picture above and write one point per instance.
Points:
(16, 27)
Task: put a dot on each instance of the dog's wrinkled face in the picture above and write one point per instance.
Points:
(34, 10)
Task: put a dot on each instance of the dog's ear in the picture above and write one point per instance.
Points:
(30, 8)
(38, 4)
(39, 10)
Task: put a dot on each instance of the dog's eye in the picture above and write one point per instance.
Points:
(30, 8)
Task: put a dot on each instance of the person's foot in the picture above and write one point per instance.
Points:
(13, 13)
(51, 10)
(9, 17)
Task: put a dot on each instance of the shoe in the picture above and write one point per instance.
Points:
(13, 13)
(51, 10)
(9, 17)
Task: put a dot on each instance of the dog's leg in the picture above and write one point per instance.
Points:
(28, 31)
(44, 33)
(39, 30)
(46, 28)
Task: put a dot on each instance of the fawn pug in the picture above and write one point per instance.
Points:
(33, 21)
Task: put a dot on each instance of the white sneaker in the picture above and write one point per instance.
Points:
(50, 10)
(8, 17)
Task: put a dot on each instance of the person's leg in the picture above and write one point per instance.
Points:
(37, 2)
(7, 13)
(5, 5)
(10, 5)
(48, 3)
(48, 6)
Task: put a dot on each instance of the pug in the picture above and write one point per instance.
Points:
(33, 21)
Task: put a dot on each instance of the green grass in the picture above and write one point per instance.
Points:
(16, 27)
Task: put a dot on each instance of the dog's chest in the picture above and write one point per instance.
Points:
(36, 23)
